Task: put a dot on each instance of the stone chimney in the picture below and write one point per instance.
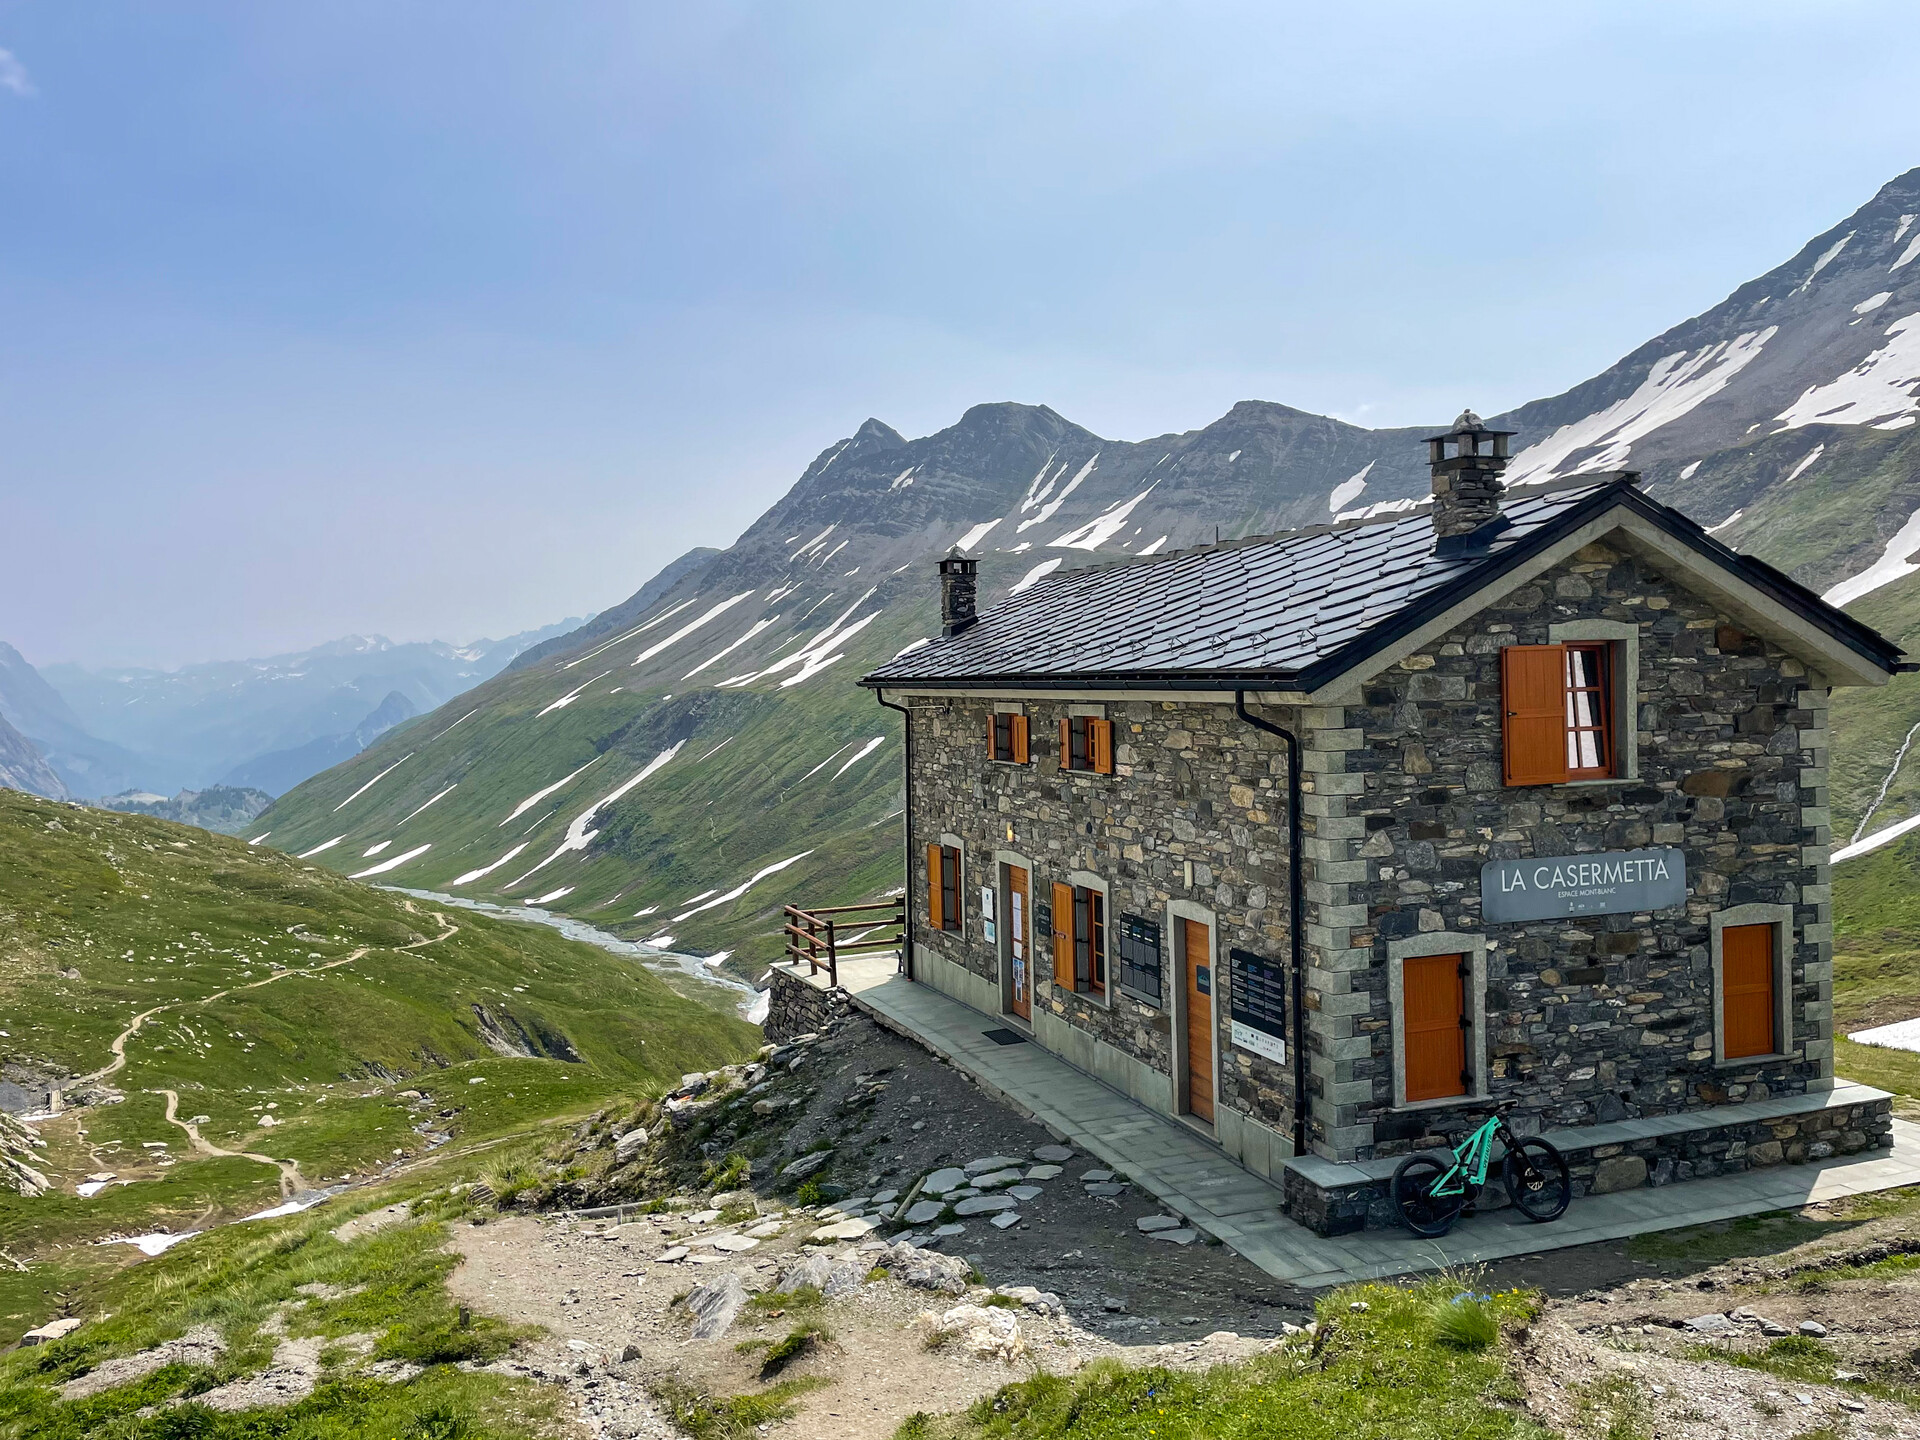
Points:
(959, 589)
(1467, 462)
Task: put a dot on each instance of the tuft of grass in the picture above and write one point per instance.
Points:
(1466, 1323)
(1613, 1408)
(709, 1417)
(809, 1194)
(727, 1174)
(799, 1342)
(806, 1297)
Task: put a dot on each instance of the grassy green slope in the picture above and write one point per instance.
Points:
(1876, 965)
(285, 989)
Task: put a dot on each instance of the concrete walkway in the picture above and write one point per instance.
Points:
(1186, 1172)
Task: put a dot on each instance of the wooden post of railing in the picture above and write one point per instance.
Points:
(833, 957)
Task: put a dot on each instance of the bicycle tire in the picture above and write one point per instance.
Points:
(1537, 1179)
(1421, 1211)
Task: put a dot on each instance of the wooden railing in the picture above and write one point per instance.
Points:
(814, 935)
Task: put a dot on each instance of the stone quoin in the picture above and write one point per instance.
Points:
(1327, 841)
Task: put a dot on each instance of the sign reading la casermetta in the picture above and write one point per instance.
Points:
(1615, 883)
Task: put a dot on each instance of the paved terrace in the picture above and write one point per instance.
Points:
(1187, 1173)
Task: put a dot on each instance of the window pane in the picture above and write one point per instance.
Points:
(1583, 707)
(1583, 667)
(1583, 749)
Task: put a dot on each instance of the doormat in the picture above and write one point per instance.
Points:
(1005, 1037)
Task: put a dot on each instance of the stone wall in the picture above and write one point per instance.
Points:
(1596, 1018)
(795, 1007)
(1726, 1146)
(1193, 786)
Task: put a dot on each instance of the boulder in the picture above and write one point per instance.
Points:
(832, 1277)
(1711, 1325)
(52, 1330)
(979, 1331)
(715, 1304)
(1045, 1301)
(928, 1269)
(630, 1144)
(806, 1165)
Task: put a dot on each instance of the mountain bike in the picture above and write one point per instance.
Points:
(1431, 1189)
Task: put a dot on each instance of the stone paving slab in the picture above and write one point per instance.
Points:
(1186, 1173)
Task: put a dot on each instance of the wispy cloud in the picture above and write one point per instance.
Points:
(13, 75)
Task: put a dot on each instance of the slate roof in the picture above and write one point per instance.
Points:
(1292, 611)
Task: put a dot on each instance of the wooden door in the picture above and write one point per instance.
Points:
(1433, 1005)
(1018, 949)
(1746, 990)
(1199, 976)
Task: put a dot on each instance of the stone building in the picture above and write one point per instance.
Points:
(1326, 841)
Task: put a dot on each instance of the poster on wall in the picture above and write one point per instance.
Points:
(1257, 1005)
(992, 933)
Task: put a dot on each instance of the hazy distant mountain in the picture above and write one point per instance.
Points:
(222, 808)
(207, 723)
(22, 767)
(278, 771)
(86, 764)
(677, 768)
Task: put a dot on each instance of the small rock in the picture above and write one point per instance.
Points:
(670, 1254)
(803, 1167)
(1773, 1328)
(886, 1197)
(1112, 1306)
(765, 1230)
(628, 1145)
(1711, 1324)
(1005, 1220)
(1053, 1154)
(1045, 1301)
(1854, 1405)
(52, 1330)
(1042, 1172)
(1095, 1177)
(999, 1179)
(1026, 1192)
(1813, 1328)
(703, 1217)
(941, 1232)
(1360, 1305)
(1846, 1375)
(1220, 1337)
(941, 1181)
(1106, 1189)
(984, 1205)
(922, 1212)
(630, 1354)
(1147, 1224)
(990, 1163)
(844, 1230)
(1181, 1236)
(733, 1244)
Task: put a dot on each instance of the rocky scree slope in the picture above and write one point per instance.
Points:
(675, 770)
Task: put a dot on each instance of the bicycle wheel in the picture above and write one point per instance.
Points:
(1537, 1179)
(1421, 1211)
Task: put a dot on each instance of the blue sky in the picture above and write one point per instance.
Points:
(450, 318)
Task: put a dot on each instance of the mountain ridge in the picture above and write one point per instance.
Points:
(590, 779)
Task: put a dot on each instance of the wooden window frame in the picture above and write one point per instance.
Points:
(944, 907)
(1081, 953)
(1526, 714)
(1086, 745)
(1007, 738)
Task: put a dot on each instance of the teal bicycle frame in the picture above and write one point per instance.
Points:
(1470, 1163)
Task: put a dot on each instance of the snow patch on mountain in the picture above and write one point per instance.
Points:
(692, 625)
(1348, 490)
(539, 795)
(720, 655)
(1047, 511)
(978, 533)
(734, 894)
(578, 836)
(1883, 390)
(1675, 385)
(375, 781)
(484, 870)
(394, 864)
(441, 796)
(1895, 563)
(1036, 575)
(1872, 303)
(860, 754)
(1827, 258)
(629, 634)
(1101, 529)
(323, 845)
(573, 694)
(1801, 469)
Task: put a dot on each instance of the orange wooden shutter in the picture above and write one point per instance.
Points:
(1533, 699)
(1066, 744)
(993, 737)
(1432, 993)
(1063, 936)
(1100, 745)
(1746, 997)
(1019, 739)
(936, 916)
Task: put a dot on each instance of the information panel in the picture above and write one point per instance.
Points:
(1619, 882)
(1257, 1004)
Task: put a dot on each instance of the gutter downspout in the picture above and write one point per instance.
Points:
(1296, 916)
(906, 826)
